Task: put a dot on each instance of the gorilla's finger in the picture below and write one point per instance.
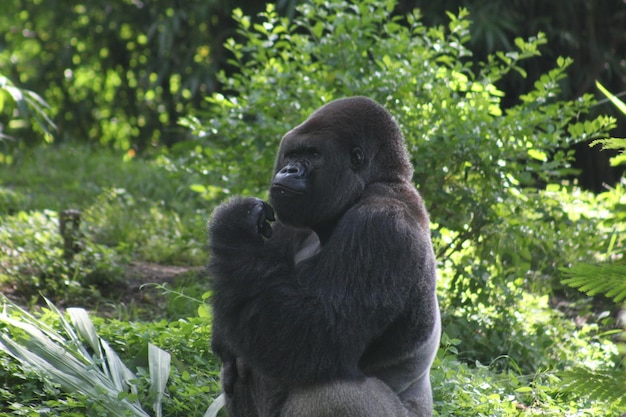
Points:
(269, 212)
(265, 230)
(262, 212)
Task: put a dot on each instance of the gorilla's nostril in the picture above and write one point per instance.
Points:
(293, 169)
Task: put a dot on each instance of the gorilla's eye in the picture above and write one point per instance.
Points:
(356, 156)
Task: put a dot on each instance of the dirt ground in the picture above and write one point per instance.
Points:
(144, 281)
(139, 294)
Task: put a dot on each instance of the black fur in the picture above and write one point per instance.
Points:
(340, 291)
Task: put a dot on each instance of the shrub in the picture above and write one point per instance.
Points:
(33, 260)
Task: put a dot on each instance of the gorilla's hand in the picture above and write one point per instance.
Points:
(241, 221)
(262, 214)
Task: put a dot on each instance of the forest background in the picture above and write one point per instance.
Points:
(122, 124)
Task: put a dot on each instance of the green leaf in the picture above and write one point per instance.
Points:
(204, 311)
(318, 29)
(612, 143)
(601, 385)
(198, 188)
(618, 160)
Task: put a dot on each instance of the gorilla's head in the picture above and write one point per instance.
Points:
(324, 164)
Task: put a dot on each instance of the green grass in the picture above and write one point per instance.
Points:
(141, 207)
(73, 176)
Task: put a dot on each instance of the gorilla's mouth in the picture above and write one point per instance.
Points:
(283, 189)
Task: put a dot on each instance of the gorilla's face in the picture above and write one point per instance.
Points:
(316, 178)
(324, 164)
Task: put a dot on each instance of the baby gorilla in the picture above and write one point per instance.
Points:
(331, 311)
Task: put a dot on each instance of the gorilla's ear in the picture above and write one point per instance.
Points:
(357, 157)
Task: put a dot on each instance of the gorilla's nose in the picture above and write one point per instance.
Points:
(293, 169)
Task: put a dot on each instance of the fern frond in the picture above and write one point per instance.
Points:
(608, 279)
(607, 385)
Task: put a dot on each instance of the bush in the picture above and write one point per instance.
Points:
(33, 261)
(146, 230)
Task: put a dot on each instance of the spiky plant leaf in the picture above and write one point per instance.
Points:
(85, 328)
(159, 363)
(120, 374)
(64, 360)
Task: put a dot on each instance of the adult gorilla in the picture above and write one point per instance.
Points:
(332, 310)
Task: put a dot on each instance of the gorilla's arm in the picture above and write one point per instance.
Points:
(313, 321)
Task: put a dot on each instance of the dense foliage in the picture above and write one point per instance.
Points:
(121, 74)
(117, 73)
(508, 223)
